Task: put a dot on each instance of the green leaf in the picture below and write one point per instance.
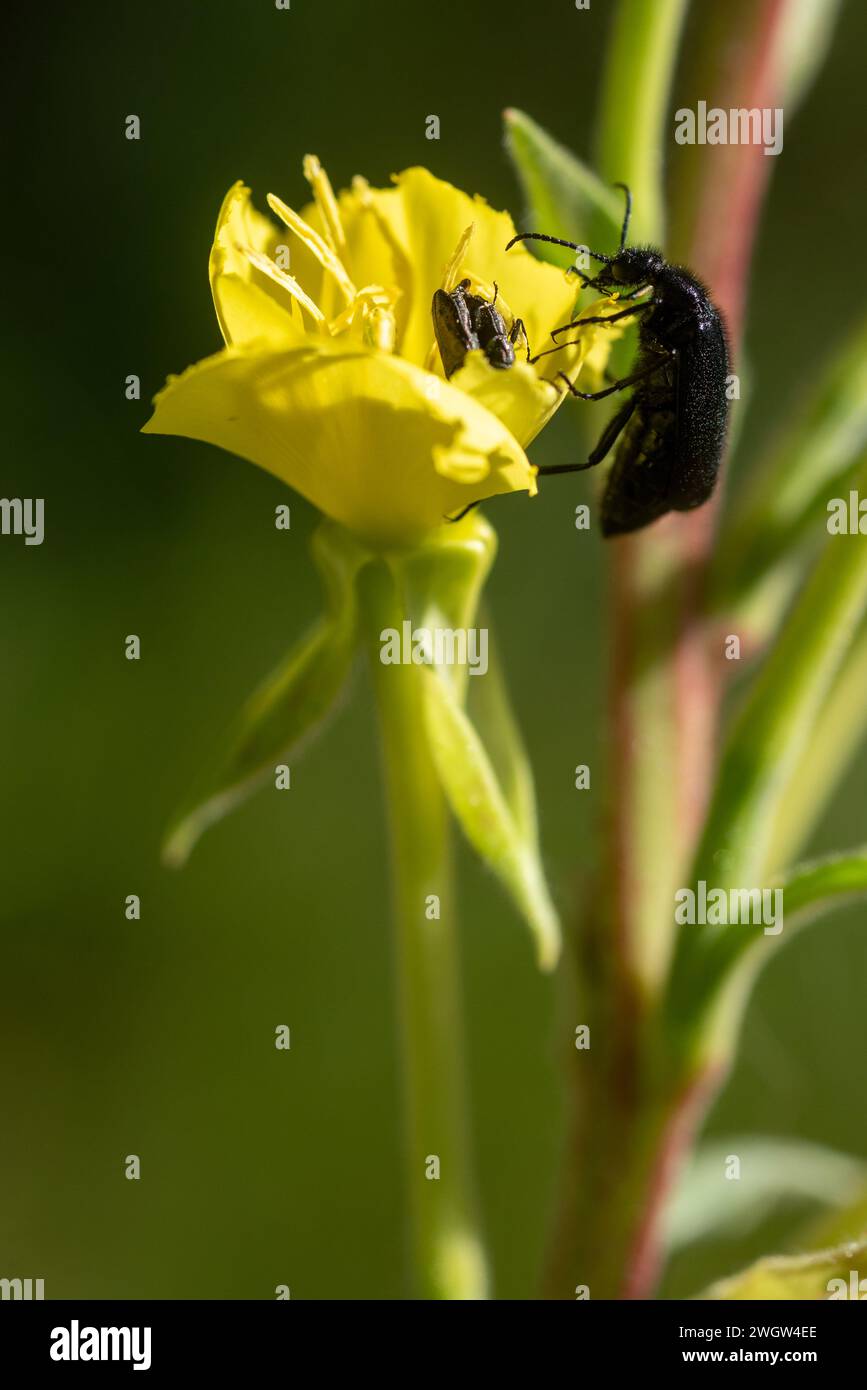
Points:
(492, 713)
(706, 1203)
(794, 1276)
(805, 39)
(811, 889)
(564, 198)
(289, 707)
(765, 743)
(838, 1227)
(480, 807)
(834, 741)
(760, 552)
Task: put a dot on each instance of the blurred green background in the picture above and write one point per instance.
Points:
(156, 1038)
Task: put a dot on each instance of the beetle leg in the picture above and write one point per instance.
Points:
(607, 318)
(459, 516)
(607, 440)
(618, 385)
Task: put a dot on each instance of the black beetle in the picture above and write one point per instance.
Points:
(672, 428)
(464, 322)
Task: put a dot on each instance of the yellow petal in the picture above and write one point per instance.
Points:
(525, 397)
(249, 306)
(377, 444)
(427, 218)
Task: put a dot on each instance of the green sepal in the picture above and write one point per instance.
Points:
(564, 197)
(441, 584)
(291, 704)
(492, 713)
(480, 807)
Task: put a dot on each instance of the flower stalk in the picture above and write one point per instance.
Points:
(448, 1254)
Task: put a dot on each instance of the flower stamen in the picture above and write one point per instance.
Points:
(287, 282)
(452, 276)
(452, 272)
(327, 258)
(375, 305)
(326, 202)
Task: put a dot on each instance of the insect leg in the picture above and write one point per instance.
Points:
(610, 390)
(519, 331)
(607, 318)
(627, 214)
(607, 440)
(459, 516)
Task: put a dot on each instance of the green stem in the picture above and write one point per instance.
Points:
(634, 104)
(448, 1255)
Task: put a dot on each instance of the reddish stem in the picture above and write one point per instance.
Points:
(635, 1119)
(717, 241)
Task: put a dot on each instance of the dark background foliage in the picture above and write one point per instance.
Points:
(156, 1038)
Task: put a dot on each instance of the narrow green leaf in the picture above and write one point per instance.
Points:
(289, 707)
(806, 37)
(765, 744)
(795, 1276)
(786, 504)
(772, 1171)
(838, 1227)
(811, 889)
(492, 713)
(834, 741)
(564, 197)
(479, 806)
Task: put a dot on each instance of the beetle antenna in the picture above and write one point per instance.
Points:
(626, 216)
(558, 241)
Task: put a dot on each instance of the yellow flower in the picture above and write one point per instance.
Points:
(330, 378)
